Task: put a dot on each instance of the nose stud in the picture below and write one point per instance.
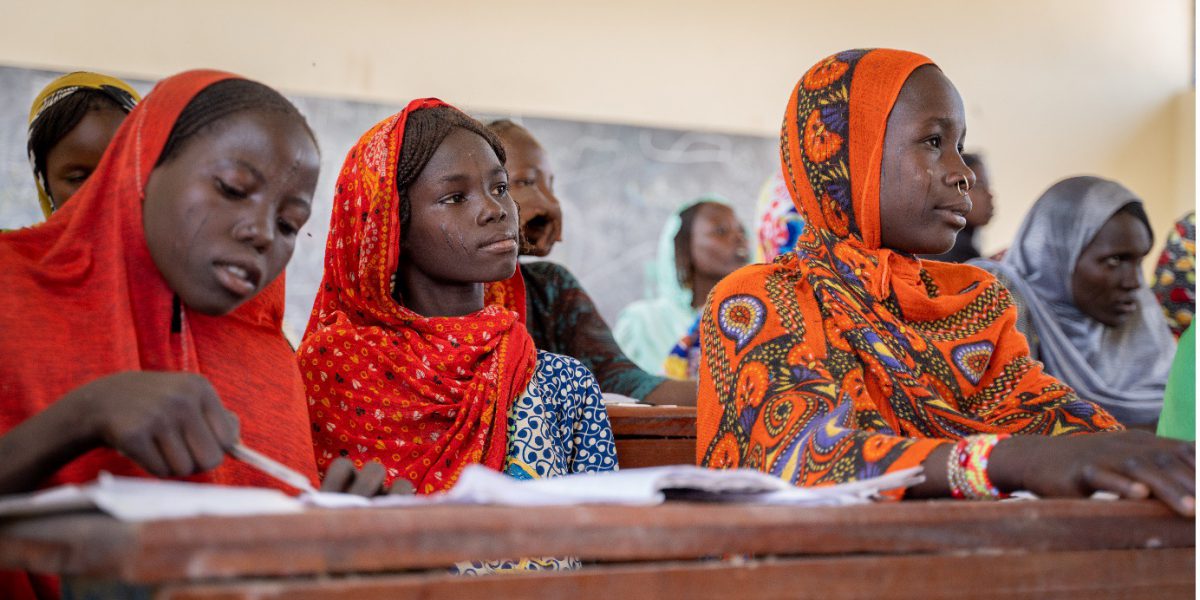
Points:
(964, 186)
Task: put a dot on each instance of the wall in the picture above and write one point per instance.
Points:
(1052, 87)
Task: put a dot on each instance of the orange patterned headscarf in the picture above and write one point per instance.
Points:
(424, 396)
(844, 360)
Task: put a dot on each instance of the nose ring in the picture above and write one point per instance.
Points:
(964, 186)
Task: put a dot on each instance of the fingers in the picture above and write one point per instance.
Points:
(223, 424)
(344, 478)
(176, 454)
(142, 450)
(402, 487)
(368, 481)
(1165, 485)
(338, 476)
(1102, 480)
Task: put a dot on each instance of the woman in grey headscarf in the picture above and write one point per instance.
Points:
(1075, 272)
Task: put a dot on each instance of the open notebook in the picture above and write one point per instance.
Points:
(133, 499)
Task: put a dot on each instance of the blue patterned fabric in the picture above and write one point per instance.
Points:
(558, 426)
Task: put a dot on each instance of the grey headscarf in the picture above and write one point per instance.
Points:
(1124, 369)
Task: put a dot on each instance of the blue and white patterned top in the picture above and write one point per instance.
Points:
(557, 426)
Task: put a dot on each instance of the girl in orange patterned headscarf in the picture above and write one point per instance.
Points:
(406, 362)
(849, 357)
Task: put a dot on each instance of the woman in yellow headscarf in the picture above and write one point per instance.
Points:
(70, 125)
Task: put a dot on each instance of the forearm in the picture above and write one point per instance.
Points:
(41, 445)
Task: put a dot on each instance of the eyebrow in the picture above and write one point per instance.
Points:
(249, 167)
(457, 177)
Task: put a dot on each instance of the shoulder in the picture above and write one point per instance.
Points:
(563, 368)
(544, 271)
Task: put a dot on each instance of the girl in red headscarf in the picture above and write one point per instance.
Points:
(407, 361)
(850, 357)
(140, 324)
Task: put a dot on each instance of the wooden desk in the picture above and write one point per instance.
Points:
(649, 436)
(942, 549)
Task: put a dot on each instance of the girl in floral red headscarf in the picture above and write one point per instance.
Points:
(407, 363)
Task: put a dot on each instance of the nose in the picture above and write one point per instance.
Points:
(256, 227)
(959, 174)
(494, 208)
(1131, 277)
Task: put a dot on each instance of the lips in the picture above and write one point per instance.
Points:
(500, 244)
(238, 277)
(955, 213)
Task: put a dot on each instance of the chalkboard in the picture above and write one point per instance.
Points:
(618, 184)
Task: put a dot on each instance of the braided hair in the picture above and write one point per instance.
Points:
(424, 132)
(223, 99)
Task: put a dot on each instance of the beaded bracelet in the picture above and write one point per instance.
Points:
(967, 466)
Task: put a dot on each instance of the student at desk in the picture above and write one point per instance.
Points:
(140, 324)
(409, 370)
(850, 357)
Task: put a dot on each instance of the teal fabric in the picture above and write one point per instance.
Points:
(1178, 418)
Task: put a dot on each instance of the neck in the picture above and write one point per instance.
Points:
(701, 286)
(430, 298)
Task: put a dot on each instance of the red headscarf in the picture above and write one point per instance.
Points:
(423, 396)
(83, 299)
(842, 359)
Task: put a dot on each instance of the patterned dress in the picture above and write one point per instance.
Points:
(1175, 275)
(843, 360)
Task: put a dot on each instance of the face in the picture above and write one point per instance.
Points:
(718, 241)
(531, 184)
(1108, 272)
(920, 209)
(221, 216)
(982, 205)
(463, 227)
(71, 161)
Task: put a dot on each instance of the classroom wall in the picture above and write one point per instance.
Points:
(1052, 87)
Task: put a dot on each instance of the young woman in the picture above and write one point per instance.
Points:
(851, 357)
(559, 314)
(701, 243)
(140, 325)
(1074, 270)
(70, 124)
(405, 364)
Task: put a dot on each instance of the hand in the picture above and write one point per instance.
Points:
(541, 228)
(170, 424)
(369, 481)
(1131, 464)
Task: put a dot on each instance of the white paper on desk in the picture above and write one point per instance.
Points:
(136, 499)
(649, 486)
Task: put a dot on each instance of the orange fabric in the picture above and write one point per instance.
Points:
(843, 360)
(82, 299)
(424, 396)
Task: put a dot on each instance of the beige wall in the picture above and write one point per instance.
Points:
(1052, 87)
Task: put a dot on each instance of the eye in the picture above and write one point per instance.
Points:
(1112, 261)
(288, 228)
(524, 183)
(77, 177)
(453, 199)
(934, 141)
(229, 191)
(501, 189)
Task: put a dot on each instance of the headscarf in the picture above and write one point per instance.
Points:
(844, 360)
(647, 329)
(779, 223)
(119, 91)
(83, 299)
(1175, 275)
(1124, 368)
(424, 396)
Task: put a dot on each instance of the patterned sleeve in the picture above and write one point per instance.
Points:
(781, 411)
(580, 332)
(583, 426)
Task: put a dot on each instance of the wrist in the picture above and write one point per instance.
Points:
(1009, 461)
